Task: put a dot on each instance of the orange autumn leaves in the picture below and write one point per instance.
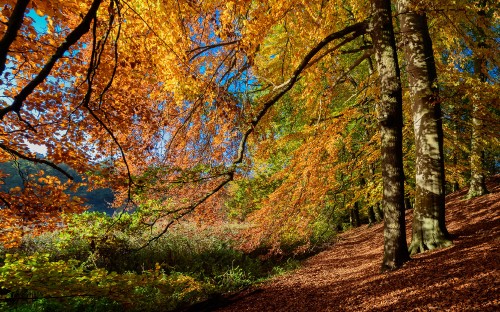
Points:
(123, 97)
(174, 84)
(37, 207)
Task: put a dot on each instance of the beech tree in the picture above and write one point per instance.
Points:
(103, 110)
(27, 62)
(477, 185)
(429, 230)
(283, 90)
(390, 115)
(466, 41)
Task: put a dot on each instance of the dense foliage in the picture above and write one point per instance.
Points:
(100, 263)
(243, 133)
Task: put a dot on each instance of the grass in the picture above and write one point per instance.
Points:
(187, 265)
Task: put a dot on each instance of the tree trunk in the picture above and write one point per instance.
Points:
(429, 231)
(477, 181)
(408, 204)
(390, 116)
(371, 216)
(379, 214)
(455, 150)
(455, 186)
(354, 215)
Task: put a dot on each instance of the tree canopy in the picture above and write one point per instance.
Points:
(275, 113)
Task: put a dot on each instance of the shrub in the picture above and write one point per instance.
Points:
(33, 277)
(100, 263)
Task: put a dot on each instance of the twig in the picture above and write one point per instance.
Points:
(71, 39)
(36, 160)
(13, 26)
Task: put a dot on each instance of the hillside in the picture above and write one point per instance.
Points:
(464, 277)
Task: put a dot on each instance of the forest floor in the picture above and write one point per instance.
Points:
(346, 277)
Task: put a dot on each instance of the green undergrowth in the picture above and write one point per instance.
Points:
(99, 263)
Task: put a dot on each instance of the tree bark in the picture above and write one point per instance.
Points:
(428, 228)
(390, 116)
(454, 151)
(408, 204)
(379, 214)
(13, 25)
(477, 185)
(371, 216)
(477, 181)
(354, 215)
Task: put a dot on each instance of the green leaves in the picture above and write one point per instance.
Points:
(42, 278)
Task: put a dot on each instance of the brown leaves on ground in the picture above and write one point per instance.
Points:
(464, 277)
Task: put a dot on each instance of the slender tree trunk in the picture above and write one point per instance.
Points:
(371, 216)
(456, 186)
(477, 181)
(429, 231)
(354, 215)
(390, 115)
(379, 214)
(374, 212)
(408, 204)
(455, 151)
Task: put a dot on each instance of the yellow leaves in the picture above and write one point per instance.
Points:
(39, 12)
(36, 208)
(157, 89)
(230, 6)
(11, 237)
(15, 189)
(5, 14)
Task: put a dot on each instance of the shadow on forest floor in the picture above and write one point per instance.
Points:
(463, 277)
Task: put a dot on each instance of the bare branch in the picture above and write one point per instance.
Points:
(209, 47)
(35, 160)
(362, 48)
(363, 57)
(281, 90)
(122, 152)
(94, 63)
(115, 65)
(189, 209)
(338, 46)
(358, 28)
(7, 204)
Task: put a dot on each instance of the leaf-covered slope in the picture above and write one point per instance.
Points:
(463, 277)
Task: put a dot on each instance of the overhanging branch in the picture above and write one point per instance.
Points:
(358, 28)
(209, 47)
(13, 26)
(72, 38)
(35, 160)
(281, 90)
